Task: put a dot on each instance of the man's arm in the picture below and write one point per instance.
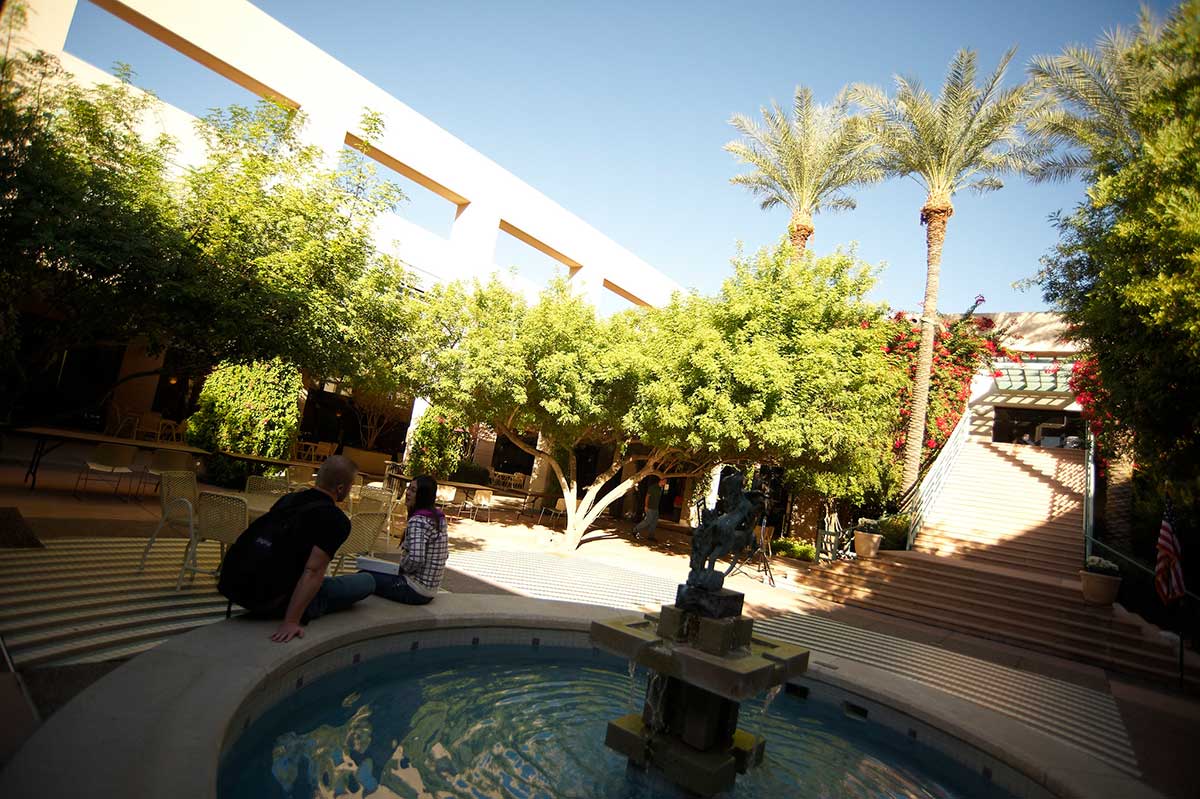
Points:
(306, 588)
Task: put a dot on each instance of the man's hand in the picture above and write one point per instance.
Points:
(286, 632)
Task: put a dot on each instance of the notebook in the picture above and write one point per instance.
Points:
(368, 564)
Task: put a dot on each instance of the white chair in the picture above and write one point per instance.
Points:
(177, 498)
(167, 460)
(364, 533)
(446, 495)
(480, 500)
(559, 509)
(219, 517)
(107, 461)
(276, 486)
(300, 477)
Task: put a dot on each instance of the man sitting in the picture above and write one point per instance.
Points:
(277, 567)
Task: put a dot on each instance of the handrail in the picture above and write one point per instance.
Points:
(1089, 540)
(930, 487)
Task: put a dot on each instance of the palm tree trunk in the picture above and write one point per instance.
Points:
(934, 216)
(799, 231)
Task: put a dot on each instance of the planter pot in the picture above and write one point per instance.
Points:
(1099, 589)
(866, 545)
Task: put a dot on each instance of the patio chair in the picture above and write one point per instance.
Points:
(518, 480)
(376, 500)
(177, 497)
(446, 495)
(559, 509)
(364, 533)
(167, 460)
(170, 431)
(107, 461)
(257, 484)
(314, 451)
(219, 517)
(480, 500)
(149, 425)
(122, 423)
(300, 477)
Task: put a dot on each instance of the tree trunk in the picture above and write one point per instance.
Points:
(799, 232)
(934, 216)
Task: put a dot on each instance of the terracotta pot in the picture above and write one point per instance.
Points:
(866, 545)
(1099, 589)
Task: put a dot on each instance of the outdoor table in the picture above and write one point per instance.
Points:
(242, 456)
(63, 435)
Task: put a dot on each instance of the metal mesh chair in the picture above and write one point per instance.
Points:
(219, 517)
(300, 477)
(364, 533)
(480, 500)
(374, 500)
(256, 484)
(559, 509)
(107, 461)
(177, 497)
(167, 460)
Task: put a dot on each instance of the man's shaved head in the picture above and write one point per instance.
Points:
(336, 472)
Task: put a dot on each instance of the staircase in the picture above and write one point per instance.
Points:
(998, 556)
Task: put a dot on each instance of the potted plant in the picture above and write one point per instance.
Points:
(1100, 580)
(867, 538)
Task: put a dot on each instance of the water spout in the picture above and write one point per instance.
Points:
(771, 694)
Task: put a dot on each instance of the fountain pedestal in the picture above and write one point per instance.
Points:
(704, 660)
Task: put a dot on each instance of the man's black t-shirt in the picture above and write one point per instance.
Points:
(323, 526)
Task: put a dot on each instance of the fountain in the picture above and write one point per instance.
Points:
(704, 661)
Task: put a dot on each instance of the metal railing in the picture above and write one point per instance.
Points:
(930, 486)
(1189, 601)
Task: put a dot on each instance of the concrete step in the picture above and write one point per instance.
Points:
(88, 646)
(1149, 665)
(11, 616)
(39, 591)
(1048, 531)
(1014, 562)
(984, 596)
(122, 622)
(956, 573)
(117, 607)
(1030, 543)
(1003, 617)
(949, 546)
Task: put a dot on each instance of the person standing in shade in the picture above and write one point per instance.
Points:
(426, 548)
(650, 521)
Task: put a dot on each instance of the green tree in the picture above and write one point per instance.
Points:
(779, 368)
(1088, 99)
(806, 164)
(965, 138)
(88, 226)
(1126, 270)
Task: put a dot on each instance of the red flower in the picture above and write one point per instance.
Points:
(997, 373)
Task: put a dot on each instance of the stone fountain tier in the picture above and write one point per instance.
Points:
(702, 668)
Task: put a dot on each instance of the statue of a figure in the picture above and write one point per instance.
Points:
(726, 534)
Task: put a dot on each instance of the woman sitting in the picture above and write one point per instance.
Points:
(425, 548)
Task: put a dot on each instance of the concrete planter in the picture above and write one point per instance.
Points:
(866, 545)
(1098, 589)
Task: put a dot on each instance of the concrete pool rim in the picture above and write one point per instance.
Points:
(159, 724)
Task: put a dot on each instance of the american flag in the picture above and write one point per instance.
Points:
(1168, 572)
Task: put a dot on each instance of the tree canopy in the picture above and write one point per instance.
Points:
(784, 366)
(1126, 270)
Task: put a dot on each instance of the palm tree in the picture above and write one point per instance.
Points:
(1088, 97)
(806, 163)
(963, 139)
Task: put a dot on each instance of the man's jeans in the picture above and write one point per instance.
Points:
(397, 589)
(339, 593)
(648, 523)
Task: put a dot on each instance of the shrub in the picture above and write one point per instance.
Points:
(439, 444)
(471, 472)
(793, 548)
(894, 530)
(1099, 565)
(250, 408)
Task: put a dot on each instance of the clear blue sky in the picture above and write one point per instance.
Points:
(619, 110)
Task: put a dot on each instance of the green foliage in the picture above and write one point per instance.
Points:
(1126, 270)
(807, 163)
(438, 445)
(794, 548)
(1098, 565)
(248, 408)
(471, 472)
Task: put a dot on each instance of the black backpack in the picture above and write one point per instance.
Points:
(256, 573)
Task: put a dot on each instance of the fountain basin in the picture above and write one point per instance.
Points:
(158, 725)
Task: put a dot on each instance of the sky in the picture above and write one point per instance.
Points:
(619, 110)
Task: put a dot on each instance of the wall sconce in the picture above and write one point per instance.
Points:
(172, 380)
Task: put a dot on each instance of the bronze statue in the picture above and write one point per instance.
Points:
(729, 533)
